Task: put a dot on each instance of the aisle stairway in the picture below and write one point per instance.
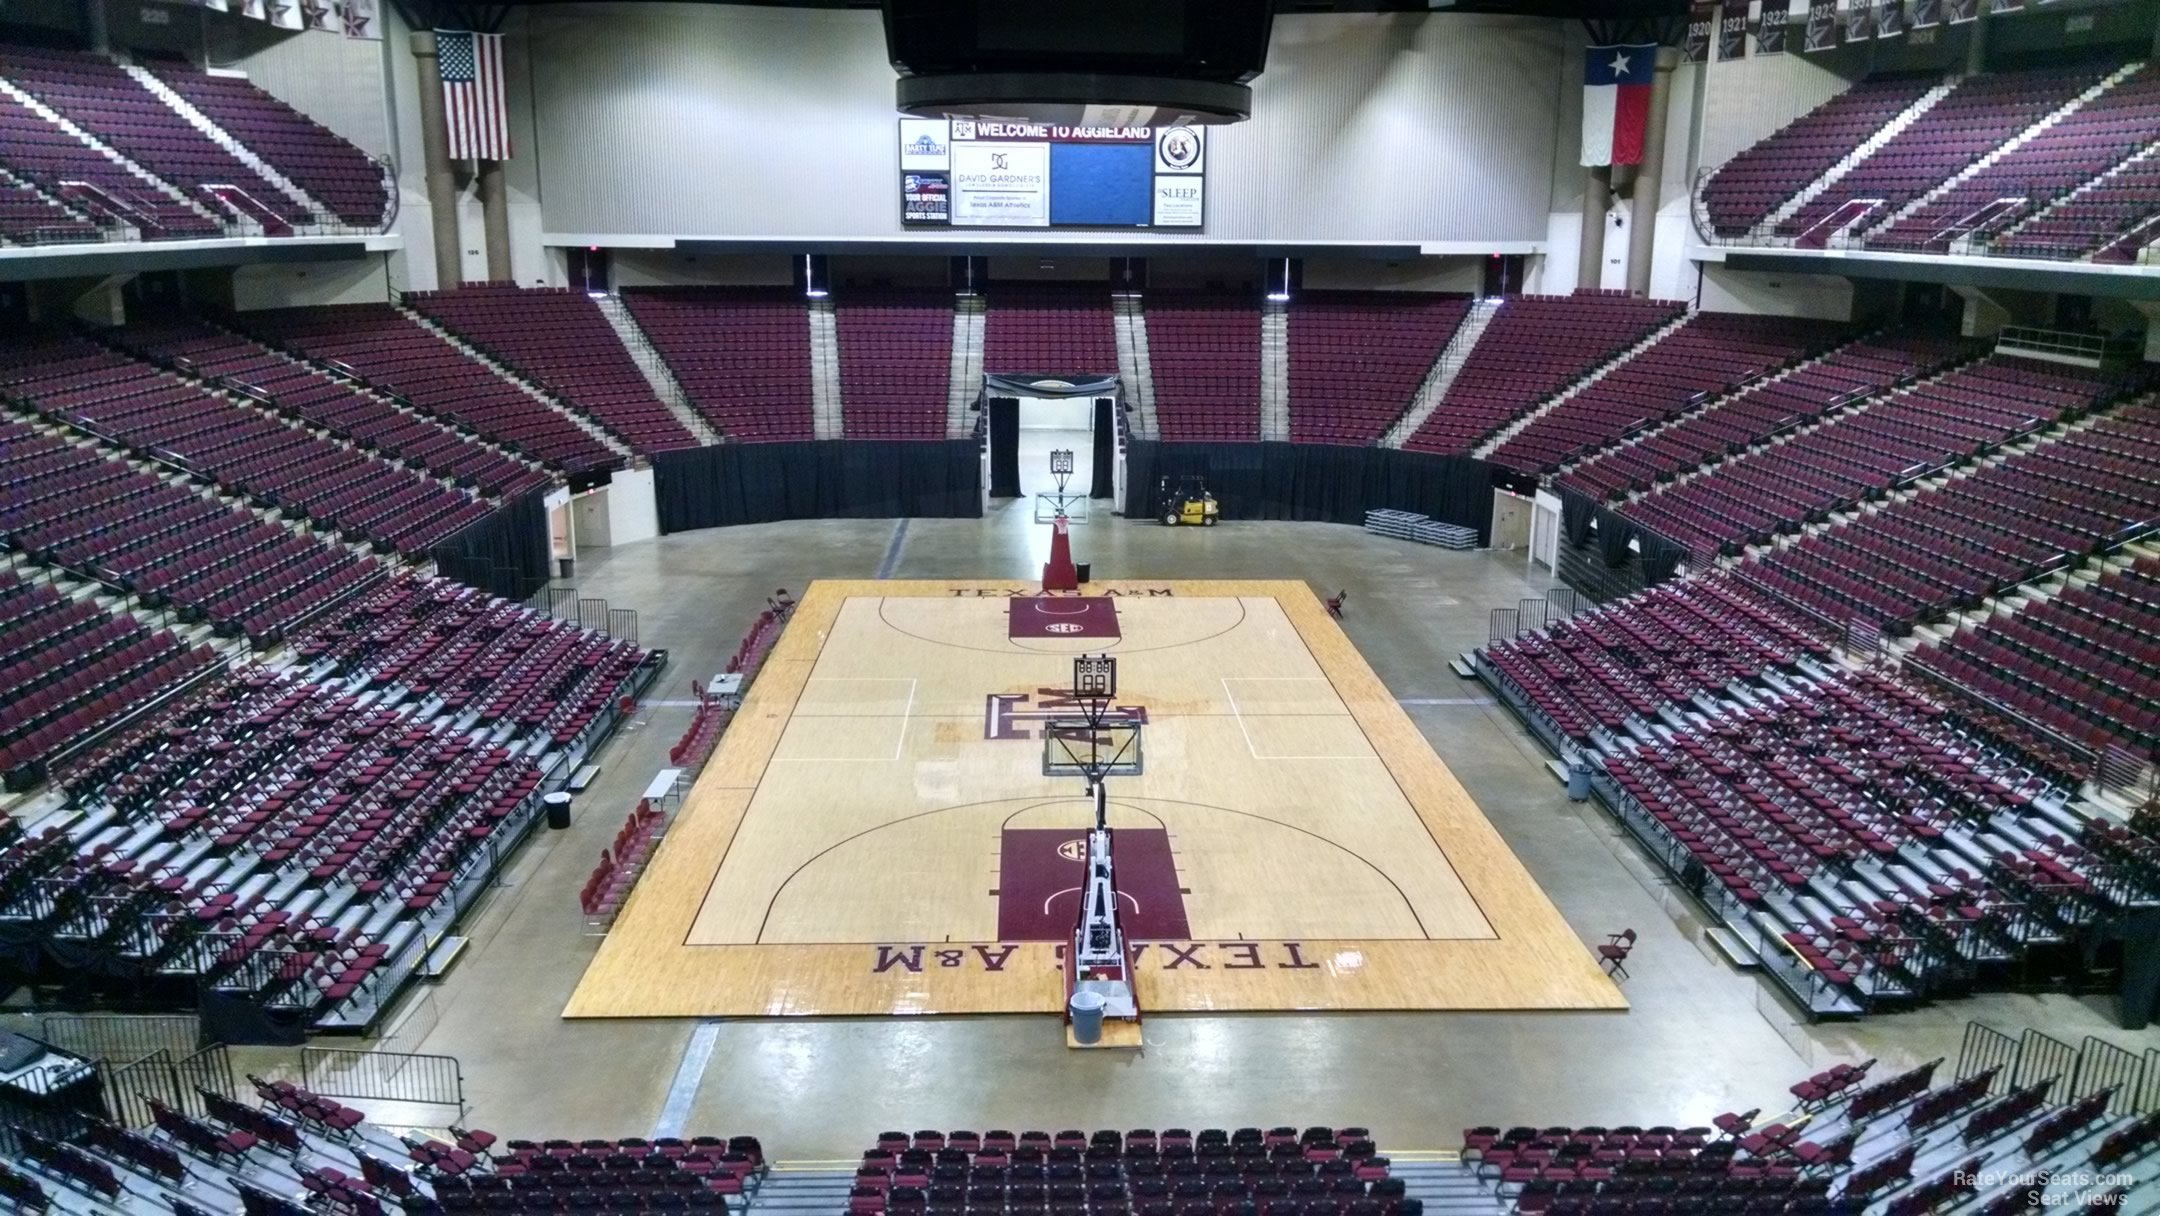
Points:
(1444, 370)
(655, 369)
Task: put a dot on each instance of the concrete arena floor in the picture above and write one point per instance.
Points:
(1701, 1038)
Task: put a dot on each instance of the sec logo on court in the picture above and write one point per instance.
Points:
(1062, 627)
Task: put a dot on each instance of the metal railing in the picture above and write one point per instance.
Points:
(1987, 1048)
(387, 1076)
(2088, 1068)
(122, 1036)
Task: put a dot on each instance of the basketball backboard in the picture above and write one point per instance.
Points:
(1072, 747)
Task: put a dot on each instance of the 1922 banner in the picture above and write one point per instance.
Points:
(1770, 30)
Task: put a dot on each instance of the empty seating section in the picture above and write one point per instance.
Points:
(1204, 351)
(1905, 1144)
(1712, 354)
(1534, 347)
(1839, 380)
(485, 661)
(2084, 144)
(1050, 330)
(29, 218)
(303, 840)
(1870, 851)
(296, 838)
(247, 451)
(384, 349)
(895, 362)
(741, 354)
(1357, 359)
(1753, 183)
(2065, 679)
(333, 172)
(557, 339)
(1665, 647)
(283, 384)
(96, 95)
(1320, 1171)
(1974, 536)
(289, 1151)
(70, 665)
(1861, 453)
(68, 169)
(1977, 117)
(2110, 220)
(165, 544)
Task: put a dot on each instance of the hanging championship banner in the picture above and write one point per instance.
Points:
(1889, 19)
(1926, 14)
(1859, 20)
(1962, 11)
(2006, 6)
(1696, 47)
(1732, 30)
(1770, 30)
(1821, 25)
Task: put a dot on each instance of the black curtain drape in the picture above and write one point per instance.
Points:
(1104, 478)
(1004, 447)
(1315, 481)
(1661, 558)
(754, 483)
(1613, 535)
(1576, 512)
(505, 553)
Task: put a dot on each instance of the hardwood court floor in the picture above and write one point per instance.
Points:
(876, 836)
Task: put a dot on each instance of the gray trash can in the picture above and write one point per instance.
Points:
(1086, 1008)
(558, 809)
(1578, 781)
(566, 567)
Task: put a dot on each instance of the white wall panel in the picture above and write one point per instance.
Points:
(1749, 98)
(740, 121)
(335, 80)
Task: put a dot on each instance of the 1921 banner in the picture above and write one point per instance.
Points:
(1732, 30)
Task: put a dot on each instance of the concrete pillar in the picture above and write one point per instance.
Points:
(495, 218)
(435, 147)
(1976, 47)
(1596, 201)
(99, 26)
(103, 303)
(1649, 177)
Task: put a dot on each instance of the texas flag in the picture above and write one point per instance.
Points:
(1616, 103)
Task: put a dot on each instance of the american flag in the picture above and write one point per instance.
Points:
(472, 86)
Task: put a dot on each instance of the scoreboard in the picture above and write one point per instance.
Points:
(971, 173)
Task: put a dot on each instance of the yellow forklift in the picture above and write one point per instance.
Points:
(1188, 502)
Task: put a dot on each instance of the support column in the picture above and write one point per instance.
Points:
(495, 216)
(1596, 201)
(435, 148)
(1649, 177)
(1976, 48)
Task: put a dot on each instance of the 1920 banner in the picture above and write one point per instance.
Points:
(1701, 16)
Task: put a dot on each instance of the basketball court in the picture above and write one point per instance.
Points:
(877, 835)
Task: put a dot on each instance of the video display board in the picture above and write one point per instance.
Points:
(963, 173)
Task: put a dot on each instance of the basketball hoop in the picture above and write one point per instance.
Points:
(1060, 505)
